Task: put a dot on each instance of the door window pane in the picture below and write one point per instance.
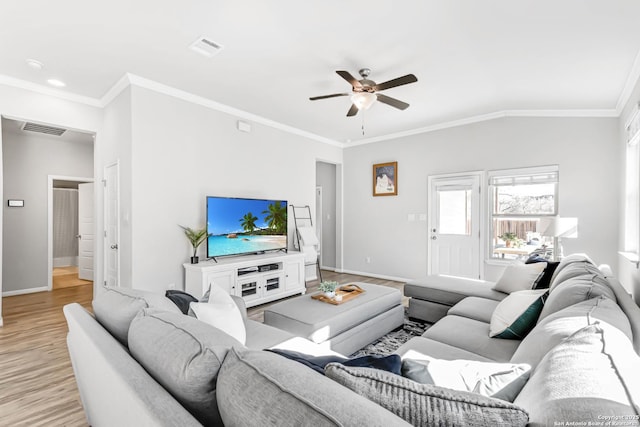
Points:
(454, 212)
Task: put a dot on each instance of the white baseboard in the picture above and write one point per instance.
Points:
(377, 276)
(25, 291)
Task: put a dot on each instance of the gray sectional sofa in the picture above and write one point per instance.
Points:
(145, 363)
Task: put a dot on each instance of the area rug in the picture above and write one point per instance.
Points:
(394, 339)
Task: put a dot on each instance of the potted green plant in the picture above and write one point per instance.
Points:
(508, 238)
(329, 288)
(196, 238)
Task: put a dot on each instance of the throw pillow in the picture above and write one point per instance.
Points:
(184, 356)
(390, 363)
(519, 277)
(222, 313)
(545, 280)
(499, 380)
(517, 314)
(591, 375)
(259, 388)
(426, 404)
(115, 308)
(181, 299)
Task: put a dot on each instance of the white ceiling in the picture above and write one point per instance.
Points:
(471, 57)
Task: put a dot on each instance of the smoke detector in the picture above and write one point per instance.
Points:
(206, 47)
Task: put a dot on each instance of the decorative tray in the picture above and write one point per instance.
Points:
(348, 292)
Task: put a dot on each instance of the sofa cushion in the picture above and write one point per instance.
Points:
(475, 308)
(499, 380)
(449, 290)
(391, 362)
(421, 348)
(561, 324)
(473, 336)
(519, 277)
(115, 308)
(184, 355)
(425, 404)
(517, 314)
(589, 377)
(573, 291)
(258, 388)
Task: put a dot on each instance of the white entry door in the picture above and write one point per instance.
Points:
(111, 225)
(454, 225)
(85, 231)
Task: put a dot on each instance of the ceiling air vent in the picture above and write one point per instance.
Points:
(49, 130)
(205, 47)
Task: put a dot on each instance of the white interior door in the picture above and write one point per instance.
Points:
(111, 225)
(319, 219)
(454, 225)
(85, 231)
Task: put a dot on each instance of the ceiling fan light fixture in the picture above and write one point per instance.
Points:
(363, 100)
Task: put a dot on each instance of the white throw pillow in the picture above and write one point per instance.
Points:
(519, 277)
(517, 314)
(221, 312)
(499, 380)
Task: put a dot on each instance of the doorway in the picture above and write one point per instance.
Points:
(455, 225)
(327, 220)
(71, 235)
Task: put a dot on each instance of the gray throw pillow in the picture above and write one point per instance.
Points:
(115, 308)
(425, 404)
(184, 355)
(589, 377)
(261, 388)
(573, 291)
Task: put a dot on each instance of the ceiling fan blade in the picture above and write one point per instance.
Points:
(352, 111)
(314, 98)
(392, 101)
(409, 78)
(348, 77)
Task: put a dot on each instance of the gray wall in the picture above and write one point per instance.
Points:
(326, 178)
(377, 227)
(28, 159)
(182, 152)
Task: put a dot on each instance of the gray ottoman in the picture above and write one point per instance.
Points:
(344, 328)
(433, 296)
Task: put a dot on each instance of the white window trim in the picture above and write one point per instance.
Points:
(534, 170)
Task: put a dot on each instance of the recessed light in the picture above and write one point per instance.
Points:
(56, 83)
(36, 65)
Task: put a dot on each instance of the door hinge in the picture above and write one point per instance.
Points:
(104, 182)
(105, 233)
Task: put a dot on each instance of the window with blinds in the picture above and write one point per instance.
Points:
(519, 199)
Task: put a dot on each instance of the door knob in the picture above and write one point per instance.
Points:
(78, 236)
(434, 237)
(114, 246)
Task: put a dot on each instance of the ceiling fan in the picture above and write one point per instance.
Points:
(365, 92)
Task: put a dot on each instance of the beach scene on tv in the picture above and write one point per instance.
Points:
(240, 226)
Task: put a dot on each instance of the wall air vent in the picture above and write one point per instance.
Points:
(49, 130)
(206, 47)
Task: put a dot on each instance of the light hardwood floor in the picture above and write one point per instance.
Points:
(66, 277)
(37, 386)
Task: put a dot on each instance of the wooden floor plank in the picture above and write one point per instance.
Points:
(37, 385)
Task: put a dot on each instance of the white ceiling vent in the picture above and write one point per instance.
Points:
(206, 47)
(49, 130)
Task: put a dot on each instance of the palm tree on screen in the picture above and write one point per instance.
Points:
(276, 218)
(248, 222)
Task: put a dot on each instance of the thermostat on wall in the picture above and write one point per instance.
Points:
(15, 203)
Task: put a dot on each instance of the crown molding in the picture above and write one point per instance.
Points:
(484, 118)
(46, 90)
(132, 79)
(632, 79)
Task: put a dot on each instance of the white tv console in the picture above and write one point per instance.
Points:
(256, 278)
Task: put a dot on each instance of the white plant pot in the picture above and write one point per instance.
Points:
(329, 294)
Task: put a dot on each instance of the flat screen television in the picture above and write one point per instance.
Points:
(245, 226)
